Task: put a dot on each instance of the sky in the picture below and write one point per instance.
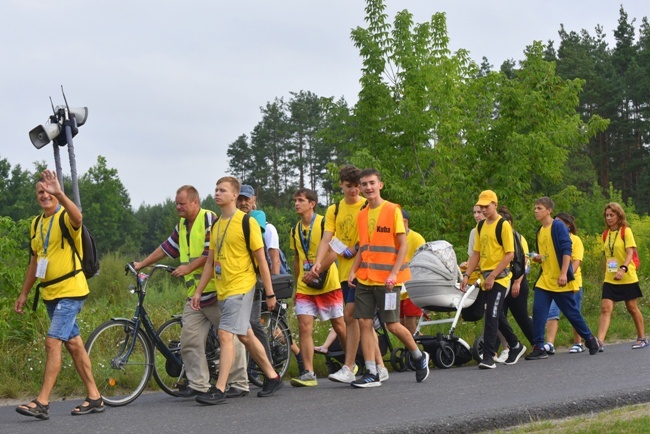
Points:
(169, 85)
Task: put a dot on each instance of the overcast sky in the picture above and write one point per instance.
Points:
(169, 85)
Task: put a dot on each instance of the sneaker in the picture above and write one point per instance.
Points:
(307, 379)
(368, 380)
(640, 343)
(577, 348)
(213, 396)
(502, 357)
(270, 387)
(594, 345)
(382, 371)
(234, 392)
(187, 392)
(422, 368)
(515, 354)
(343, 375)
(550, 348)
(537, 354)
(487, 364)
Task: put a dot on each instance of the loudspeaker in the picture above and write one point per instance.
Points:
(80, 113)
(43, 134)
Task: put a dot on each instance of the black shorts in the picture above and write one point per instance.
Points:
(628, 291)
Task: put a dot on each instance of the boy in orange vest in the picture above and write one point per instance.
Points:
(380, 271)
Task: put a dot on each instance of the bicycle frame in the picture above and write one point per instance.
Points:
(141, 318)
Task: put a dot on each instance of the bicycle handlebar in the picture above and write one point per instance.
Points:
(129, 268)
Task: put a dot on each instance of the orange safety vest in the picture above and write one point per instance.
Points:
(379, 255)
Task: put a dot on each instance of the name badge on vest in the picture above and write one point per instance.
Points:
(41, 268)
(612, 265)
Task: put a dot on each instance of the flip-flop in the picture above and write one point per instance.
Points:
(39, 412)
(94, 406)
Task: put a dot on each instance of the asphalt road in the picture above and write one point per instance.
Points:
(462, 399)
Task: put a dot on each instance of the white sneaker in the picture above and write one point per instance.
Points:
(343, 375)
(383, 373)
(503, 356)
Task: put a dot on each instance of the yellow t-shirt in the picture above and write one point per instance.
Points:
(577, 254)
(414, 241)
(232, 257)
(550, 264)
(59, 259)
(344, 227)
(314, 236)
(491, 252)
(614, 247)
(398, 224)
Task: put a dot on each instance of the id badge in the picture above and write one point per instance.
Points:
(612, 265)
(41, 268)
(217, 269)
(390, 303)
(306, 265)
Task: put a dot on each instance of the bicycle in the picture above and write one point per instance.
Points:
(127, 352)
(279, 335)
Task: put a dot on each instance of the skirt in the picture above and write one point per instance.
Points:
(628, 291)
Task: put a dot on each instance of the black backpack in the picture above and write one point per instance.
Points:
(518, 264)
(89, 262)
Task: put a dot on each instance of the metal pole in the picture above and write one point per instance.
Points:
(57, 162)
(73, 164)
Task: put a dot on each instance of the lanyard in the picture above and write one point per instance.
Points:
(46, 241)
(611, 245)
(305, 241)
(223, 238)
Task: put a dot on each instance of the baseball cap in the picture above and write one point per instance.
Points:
(486, 197)
(246, 190)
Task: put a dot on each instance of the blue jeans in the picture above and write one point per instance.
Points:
(554, 311)
(568, 306)
(63, 318)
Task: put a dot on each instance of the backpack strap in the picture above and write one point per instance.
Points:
(497, 231)
(246, 228)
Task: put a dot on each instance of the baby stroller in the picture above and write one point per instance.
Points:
(435, 287)
(335, 356)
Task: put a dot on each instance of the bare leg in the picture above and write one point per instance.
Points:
(606, 307)
(551, 330)
(305, 335)
(637, 317)
(338, 327)
(82, 364)
(402, 334)
(353, 334)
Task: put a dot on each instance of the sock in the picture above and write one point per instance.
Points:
(301, 366)
(371, 367)
(417, 354)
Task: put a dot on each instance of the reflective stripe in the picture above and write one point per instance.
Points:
(380, 249)
(381, 266)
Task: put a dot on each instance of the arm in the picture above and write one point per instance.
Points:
(566, 261)
(322, 255)
(275, 260)
(260, 257)
(399, 261)
(353, 271)
(154, 257)
(629, 252)
(30, 279)
(505, 261)
(183, 270)
(206, 276)
(471, 264)
(51, 185)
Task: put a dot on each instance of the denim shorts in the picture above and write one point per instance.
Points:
(63, 318)
(554, 311)
(348, 292)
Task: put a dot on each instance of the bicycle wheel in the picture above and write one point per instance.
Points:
(121, 361)
(169, 376)
(280, 343)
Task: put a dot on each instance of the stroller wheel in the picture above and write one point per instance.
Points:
(477, 349)
(398, 359)
(444, 357)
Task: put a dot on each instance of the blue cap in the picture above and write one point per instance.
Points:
(247, 190)
(260, 216)
(405, 214)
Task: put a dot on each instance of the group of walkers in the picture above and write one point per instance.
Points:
(559, 252)
(349, 266)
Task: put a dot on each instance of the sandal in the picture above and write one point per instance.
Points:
(39, 412)
(577, 348)
(321, 350)
(640, 343)
(94, 406)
